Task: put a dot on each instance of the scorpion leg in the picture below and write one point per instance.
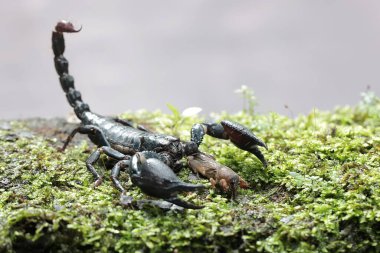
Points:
(92, 131)
(238, 134)
(116, 172)
(94, 157)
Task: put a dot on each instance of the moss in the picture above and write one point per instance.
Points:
(320, 192)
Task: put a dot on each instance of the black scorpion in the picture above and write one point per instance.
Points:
(149, 158)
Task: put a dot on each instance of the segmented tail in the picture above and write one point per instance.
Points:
(62, 67)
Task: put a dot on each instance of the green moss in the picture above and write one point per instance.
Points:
(320, 192)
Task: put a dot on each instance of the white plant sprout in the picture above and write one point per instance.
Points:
(191, 111)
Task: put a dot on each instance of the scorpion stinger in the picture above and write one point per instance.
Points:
(149, 157)
(66, 27)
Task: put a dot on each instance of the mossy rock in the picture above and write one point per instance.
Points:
(320, 192)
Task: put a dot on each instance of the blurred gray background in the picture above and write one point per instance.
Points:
(144, 54)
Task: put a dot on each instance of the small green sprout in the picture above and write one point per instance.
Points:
(249, 99)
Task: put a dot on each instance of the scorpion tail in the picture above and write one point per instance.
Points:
(62, 67)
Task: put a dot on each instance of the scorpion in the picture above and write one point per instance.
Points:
(149, 158)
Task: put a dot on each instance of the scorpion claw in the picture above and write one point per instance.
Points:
(156, 179)
(244, 139)
(64, 26)
(182, 203)
(186, 187)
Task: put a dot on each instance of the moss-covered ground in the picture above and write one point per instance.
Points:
(320, 192)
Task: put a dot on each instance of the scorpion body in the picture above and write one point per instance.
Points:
(129, 140)
(149, 158)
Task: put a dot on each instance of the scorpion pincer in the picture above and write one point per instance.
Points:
(150, 158)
